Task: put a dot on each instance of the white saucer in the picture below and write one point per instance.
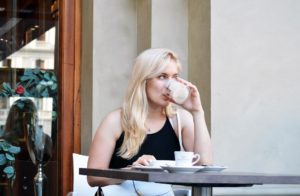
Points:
(147, 168)
(213, 168)
(182, 169)
(159, 163)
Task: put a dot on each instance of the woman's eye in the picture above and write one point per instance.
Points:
(162, 77)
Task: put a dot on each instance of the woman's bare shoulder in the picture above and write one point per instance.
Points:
(183, 113)
(185, 116)
(114, 116)
(111, 123)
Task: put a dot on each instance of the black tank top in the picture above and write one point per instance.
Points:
(161, 145)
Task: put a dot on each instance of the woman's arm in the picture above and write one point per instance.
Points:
(103, 146)
(194, 127)
(202, 142)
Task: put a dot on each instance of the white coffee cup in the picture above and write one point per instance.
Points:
(186, 159)
(178, 91)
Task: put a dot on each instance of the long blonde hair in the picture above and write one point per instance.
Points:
(148, 64)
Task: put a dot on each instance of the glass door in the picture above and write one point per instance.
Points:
(29, 89)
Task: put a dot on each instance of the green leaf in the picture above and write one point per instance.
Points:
(39, 88)
(26, 94)
(9, 176)
(54, 115)
(25, 78)
(7, 91)
(43, 82)
(45, 93)
(6, 86)
(5, 146)
(36, 71)
(9, 171)
(42, 71)
(28, 83)
(53, 78)
(47, 76)
(14, 149)
(2, 159)
(54, 86)
(9, 157)
(28, 72)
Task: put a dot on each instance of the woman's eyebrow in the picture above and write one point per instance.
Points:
(163, 73)
(166, 74)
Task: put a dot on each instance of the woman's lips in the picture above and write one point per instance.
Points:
(166, 97)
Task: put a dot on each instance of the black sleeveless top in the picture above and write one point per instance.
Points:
(161, 145)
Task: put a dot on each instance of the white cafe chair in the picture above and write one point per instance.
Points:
(80, 184)
(82, 188)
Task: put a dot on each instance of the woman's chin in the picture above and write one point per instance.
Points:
(166, 103)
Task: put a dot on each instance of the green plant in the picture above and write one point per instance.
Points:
(39, 83)
(34, 83)
(7, 158)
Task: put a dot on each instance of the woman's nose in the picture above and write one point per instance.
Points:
(168, 82)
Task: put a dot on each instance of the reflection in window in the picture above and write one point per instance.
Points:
(39, 53)
(44, 108)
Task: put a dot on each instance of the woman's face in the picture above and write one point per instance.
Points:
(156, 88)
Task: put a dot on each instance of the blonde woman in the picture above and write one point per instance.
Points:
(145, 128)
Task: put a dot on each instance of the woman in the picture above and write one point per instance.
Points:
(145, 128)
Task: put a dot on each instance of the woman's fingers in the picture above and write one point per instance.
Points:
(144, 160)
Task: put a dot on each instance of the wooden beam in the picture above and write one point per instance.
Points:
(70, 62)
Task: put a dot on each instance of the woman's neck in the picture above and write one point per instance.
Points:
(155, 120)
(156, 112)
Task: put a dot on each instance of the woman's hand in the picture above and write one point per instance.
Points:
(144, 160)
